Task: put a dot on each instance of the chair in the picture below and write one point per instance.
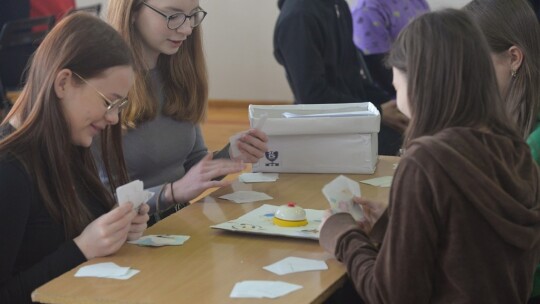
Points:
(92, 9)
(18, 41)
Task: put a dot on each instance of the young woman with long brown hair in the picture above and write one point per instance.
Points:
(163, 144)
(462, 224)
(513, 35)
(56, 213)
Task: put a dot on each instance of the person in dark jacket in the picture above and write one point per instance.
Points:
(313, 42)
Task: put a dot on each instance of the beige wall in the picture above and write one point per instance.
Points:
(238, 43)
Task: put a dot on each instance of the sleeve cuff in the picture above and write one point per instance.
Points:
(379, 229)
(72, 255)
(333, 230)
(223, 153)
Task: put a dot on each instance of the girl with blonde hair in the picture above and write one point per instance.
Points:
(163, 143)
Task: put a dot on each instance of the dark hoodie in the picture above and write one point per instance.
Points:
(463, 225)
(313, 41)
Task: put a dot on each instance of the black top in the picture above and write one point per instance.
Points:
(380, 73)
(34, 249)
(313, 41)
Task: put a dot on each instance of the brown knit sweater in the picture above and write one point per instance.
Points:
(463, 225)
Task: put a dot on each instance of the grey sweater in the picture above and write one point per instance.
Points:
(162, 150)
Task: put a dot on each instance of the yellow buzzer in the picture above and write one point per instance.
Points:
(290, 215)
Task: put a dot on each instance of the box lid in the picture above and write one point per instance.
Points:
(343, 118)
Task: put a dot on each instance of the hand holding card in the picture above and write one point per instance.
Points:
(339, 194)
(133, 192)
(233, 140)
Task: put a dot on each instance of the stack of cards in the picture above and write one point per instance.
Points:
(133, 192)
(339, 194)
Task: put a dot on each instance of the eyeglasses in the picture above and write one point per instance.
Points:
(117, 104)
(176, 20)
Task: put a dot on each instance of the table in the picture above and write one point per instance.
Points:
(206, 267)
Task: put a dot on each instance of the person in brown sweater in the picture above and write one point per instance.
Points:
(463, 219)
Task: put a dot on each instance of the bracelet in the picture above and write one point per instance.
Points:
(172, 194)
(159, 198)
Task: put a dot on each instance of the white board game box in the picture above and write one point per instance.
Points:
(318, 138)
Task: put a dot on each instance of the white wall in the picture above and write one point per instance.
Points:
(238, 43)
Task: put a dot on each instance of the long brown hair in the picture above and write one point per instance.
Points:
(507, 23)
(62, 171)
(184, 76)
(450, 78)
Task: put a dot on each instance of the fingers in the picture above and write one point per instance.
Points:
(142, 217)
(136, 230)
(368, 204)
(207, 157)
(252, 145)
(365, 226)
(250, 154)
(217, 171)
(117, 213)
(260, 135)
(216, 184)
(362, 201)
(144, 209)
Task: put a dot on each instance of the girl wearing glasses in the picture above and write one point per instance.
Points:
(462, 222)
(163, 143)
(56, 213)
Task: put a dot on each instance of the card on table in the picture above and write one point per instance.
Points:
(383, 181)
(339, 194)
(262, 289)
(241, 197)
(107, 270)
(295, 264)
(258, 177)
(160, 240)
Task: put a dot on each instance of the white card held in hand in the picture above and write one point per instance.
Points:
(339, 194)
(233, 140)
(133, 192)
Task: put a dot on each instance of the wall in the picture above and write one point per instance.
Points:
(238, 45)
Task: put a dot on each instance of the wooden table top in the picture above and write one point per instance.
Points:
(206, 267)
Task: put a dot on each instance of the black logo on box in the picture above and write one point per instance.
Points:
(272, 156)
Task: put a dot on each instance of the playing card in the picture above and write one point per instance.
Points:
(160, 240)
(339, 194)
(133, 192)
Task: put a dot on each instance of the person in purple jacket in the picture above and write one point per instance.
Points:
(376, 24)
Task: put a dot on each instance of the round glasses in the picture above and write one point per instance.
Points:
(112, 105)
(176, 20)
